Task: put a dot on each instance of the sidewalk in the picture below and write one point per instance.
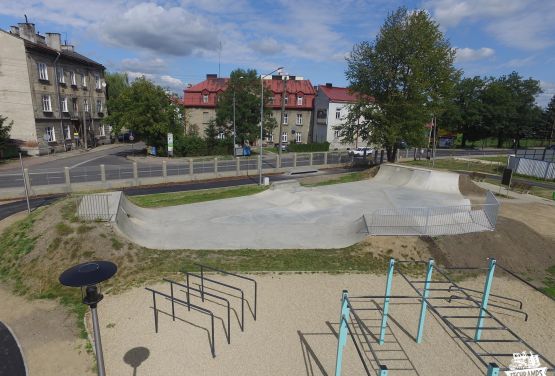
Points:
(33, 161)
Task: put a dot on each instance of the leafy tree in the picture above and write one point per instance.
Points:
(246, 86)
(464, 113)
(116, 83)
(148, 110)
(408, 70)
(4, 132)
(549, 120)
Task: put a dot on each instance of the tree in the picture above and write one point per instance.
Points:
(116, 83)
(4, 132)
(549, 120)
(148, 110)
(408, 70)
(464, 113)
(246, 86)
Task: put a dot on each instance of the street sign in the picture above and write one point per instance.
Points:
(507, 176)
(170, 143)
(131, 137)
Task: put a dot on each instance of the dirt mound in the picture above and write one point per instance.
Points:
(468, 188)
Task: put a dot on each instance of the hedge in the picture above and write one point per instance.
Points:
(309, 148)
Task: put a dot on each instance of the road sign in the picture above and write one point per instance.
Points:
(507, 177)
(170, 143)
(131, 137)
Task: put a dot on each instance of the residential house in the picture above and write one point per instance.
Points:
(331, 108)
(55, 96)
(200, 102)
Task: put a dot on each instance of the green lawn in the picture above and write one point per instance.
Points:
(181, 198)
(495, 158)
(458, 165)
(353, 176)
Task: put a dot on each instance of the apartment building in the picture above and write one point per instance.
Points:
(331, 108)
(55, 96)
(200, 102)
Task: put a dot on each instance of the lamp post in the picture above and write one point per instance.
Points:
(88, 275)
(234, 128)
(262, 119)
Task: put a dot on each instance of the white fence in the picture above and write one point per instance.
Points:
(530, 167)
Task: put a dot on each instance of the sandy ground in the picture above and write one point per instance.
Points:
(47, 334)
(295, 331)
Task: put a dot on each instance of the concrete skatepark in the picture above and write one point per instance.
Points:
(398, 201)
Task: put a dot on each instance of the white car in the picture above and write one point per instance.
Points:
(361, 152)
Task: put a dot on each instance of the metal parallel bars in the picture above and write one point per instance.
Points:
(423, 307)
(386, 299)
(342, 338)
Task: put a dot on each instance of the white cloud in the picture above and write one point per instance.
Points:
(172, 83)
(266, 46)
(519, 63)
(548, 93)
(152, 65)
(469, 54)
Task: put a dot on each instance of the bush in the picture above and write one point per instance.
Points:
(196, 146)
(309, 148)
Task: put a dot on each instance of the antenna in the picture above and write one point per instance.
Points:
(26, 21)
(65, 32)
(219, 58)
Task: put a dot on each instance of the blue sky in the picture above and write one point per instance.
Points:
(177, 42)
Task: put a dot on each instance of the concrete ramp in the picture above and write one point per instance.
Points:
(418, 178)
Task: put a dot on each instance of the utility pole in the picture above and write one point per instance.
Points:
(282, 113)
(434, 145)
(25, 184)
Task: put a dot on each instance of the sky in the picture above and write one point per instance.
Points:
(178, 42)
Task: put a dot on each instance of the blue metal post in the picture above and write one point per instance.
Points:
(485, 298)
(386, 301)
(343, 331)
(424, 305)
(493, 370)
(383, 371)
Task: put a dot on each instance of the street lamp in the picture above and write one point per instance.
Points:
(88, 275)
(234, 130)
(262, 119)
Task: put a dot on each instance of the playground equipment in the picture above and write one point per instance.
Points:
(201, 293)
(472, 336)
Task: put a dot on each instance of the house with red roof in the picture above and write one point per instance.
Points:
(331, 108)
(200, 103)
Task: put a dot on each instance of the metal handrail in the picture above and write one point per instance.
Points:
(196, 308)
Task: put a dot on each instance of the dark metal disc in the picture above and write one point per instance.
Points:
(88, 274)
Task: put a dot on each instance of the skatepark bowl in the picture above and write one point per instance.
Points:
(399, 200)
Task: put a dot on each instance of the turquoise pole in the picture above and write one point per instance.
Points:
(424, 305)
(386, 301)
(342, 340)
(493, 370)
(485, 298)
(383, 371)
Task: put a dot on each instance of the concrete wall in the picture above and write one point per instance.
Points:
(15, 94)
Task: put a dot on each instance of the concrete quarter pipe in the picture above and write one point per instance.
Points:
(398, 201)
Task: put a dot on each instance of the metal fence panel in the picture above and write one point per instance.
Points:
(93, 207)
(530, 167)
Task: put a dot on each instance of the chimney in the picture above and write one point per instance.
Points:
(54, 41)
(292, 78)
(211, 76)
(277, 77)
(328, 84)
(14, 30)
(40, 39)
(27, 31)
(68, 47)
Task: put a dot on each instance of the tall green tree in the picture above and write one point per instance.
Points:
(549, 120)
(116, 83)
(5, 129)
(245, 84)
(464, 112)
(148, 110)
(408, 70)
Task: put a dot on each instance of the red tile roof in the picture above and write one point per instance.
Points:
(293, 86)
(339, 94)
(212, 85)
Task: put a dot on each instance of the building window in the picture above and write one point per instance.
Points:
(85, 105)
(46, 104)
(204, 98)
(338, 113)
(68, 132)
(284, 137)
(299, 119)
(299, 100)
(97, 81)
(43, 72)
(75, 107)
(285, 118)
(51, 134)
(99, 106)
(205, 117)
(72, 78)
(84, 80)
(102, 130)
(286, 99)
(64, 104)
(220, 135)
(298, 137)
(336, 134)
(270, 137)
(271, 100)
(61, 76)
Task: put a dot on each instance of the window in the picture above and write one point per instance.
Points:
(299, 100)
(338, 113)
(46, 104)
(98, 82)
(336, 134)
(86, 105)
(102, 130)
(84, 80)
(72, 78)
(61, 76)
(299, 119)
(75, 107)
(43, 72)
(99, 106)
(285, 118)
(271, 100)
(270, 137)
(298, 137)
(205, 117)
(204, 98)
(284, 137)
(220, 135)
(50, 134)
(286, 99)
(64, 104)
(68, 132)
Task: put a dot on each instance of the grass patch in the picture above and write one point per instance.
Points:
(458, 165)
(83, 228)
(549, 282)
(116, 244)
(64, 229)
(495, 158)
(181, 198)
(353, 176)
(533, 190)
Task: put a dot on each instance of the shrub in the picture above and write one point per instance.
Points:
(309, 148)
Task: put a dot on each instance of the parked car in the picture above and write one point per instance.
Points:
(551, 147)
(361, 152)
(126, 137)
